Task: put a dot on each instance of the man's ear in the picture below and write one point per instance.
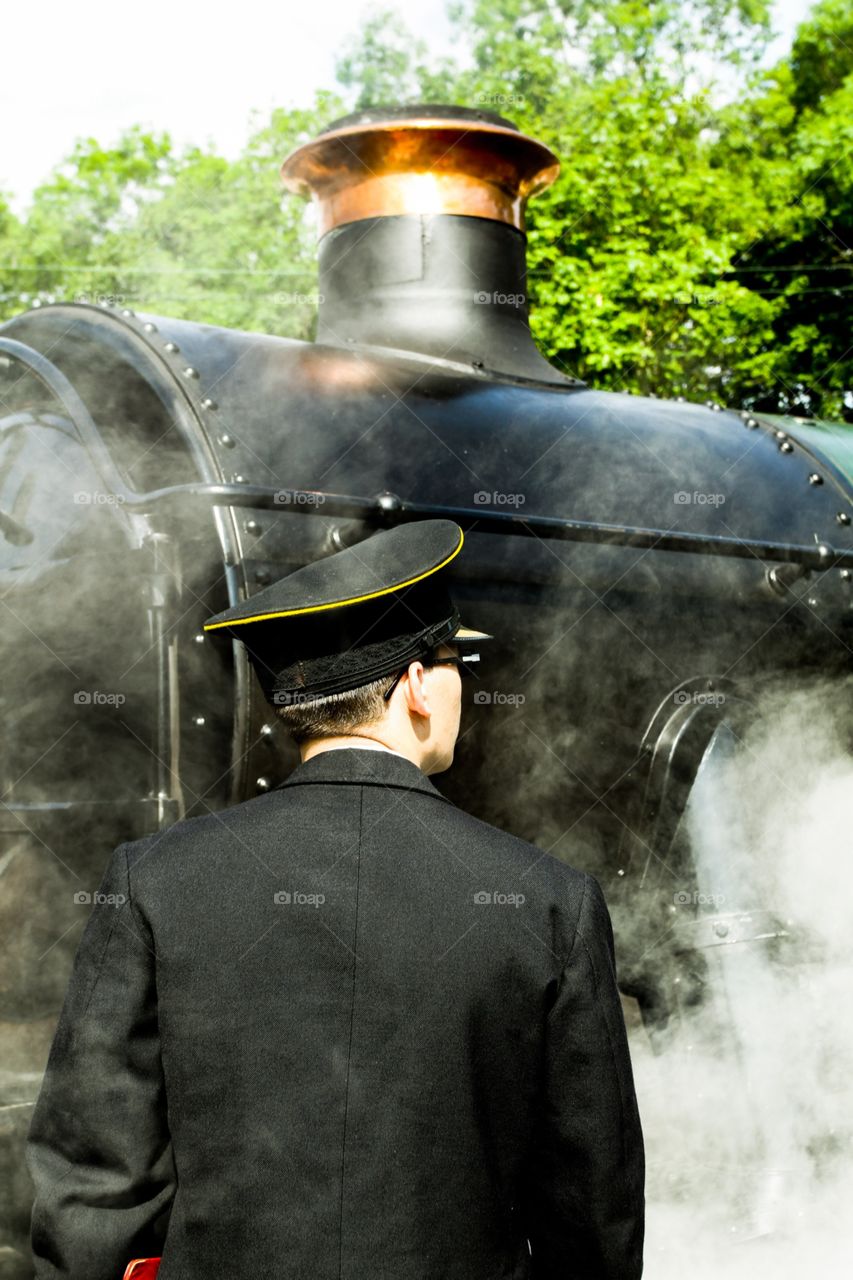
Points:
(416, 699)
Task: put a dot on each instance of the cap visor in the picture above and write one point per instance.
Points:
(466, 633)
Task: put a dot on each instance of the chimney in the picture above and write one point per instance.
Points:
(422, 241)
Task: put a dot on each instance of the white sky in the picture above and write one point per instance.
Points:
(93, 67)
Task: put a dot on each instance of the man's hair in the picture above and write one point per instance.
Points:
(339, 713)
(336, 713)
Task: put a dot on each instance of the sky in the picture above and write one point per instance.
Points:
(200, 78)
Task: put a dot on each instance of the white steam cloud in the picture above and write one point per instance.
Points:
(748, 1113)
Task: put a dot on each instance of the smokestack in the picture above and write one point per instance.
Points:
(422, 241)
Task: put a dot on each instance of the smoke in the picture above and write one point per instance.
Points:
(748, 1112)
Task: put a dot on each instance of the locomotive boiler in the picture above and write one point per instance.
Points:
(648, 568)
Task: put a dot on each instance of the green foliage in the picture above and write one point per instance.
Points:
(223, 245)
(388, 66)
(73, 233)
(687, 248)
(820, 57)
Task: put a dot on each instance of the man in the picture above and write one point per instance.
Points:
(344, 1030)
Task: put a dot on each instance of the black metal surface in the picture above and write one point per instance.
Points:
(607, 593)
(453, 287)
(388, 508)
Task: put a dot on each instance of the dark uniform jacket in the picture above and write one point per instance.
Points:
(344, 1031)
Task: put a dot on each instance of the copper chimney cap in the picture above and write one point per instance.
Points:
(421, 159)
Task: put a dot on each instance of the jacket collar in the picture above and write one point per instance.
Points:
(362, 766)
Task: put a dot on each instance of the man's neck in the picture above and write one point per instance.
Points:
(317, 745)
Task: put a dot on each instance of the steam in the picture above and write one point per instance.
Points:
(748, 1114)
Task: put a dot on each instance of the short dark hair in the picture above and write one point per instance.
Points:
(336, 713)
(340, 713)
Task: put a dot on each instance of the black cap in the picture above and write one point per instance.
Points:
(354, 616)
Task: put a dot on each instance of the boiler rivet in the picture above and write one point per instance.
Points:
(786, 447)
(207, 403)
(781, 435)
(846, 575)
(751, 422)
(814, 478)
(199, 721)
(126, 311)
(190, 372)
(262, 576)
(149, 327)
(263, 784)
(267, 730)
(227, 441)
(200, 637)
(843, 517)
(173, 347)
(252, 526)
(721, 929)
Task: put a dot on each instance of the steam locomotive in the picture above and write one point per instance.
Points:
(648, 567)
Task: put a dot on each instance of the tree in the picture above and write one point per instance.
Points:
(798, 129)
(689, 247)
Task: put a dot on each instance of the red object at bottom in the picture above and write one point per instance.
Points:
(142, 1269)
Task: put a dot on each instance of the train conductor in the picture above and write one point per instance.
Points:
(345, 1030)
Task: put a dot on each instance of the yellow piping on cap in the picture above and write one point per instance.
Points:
(337, 604)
